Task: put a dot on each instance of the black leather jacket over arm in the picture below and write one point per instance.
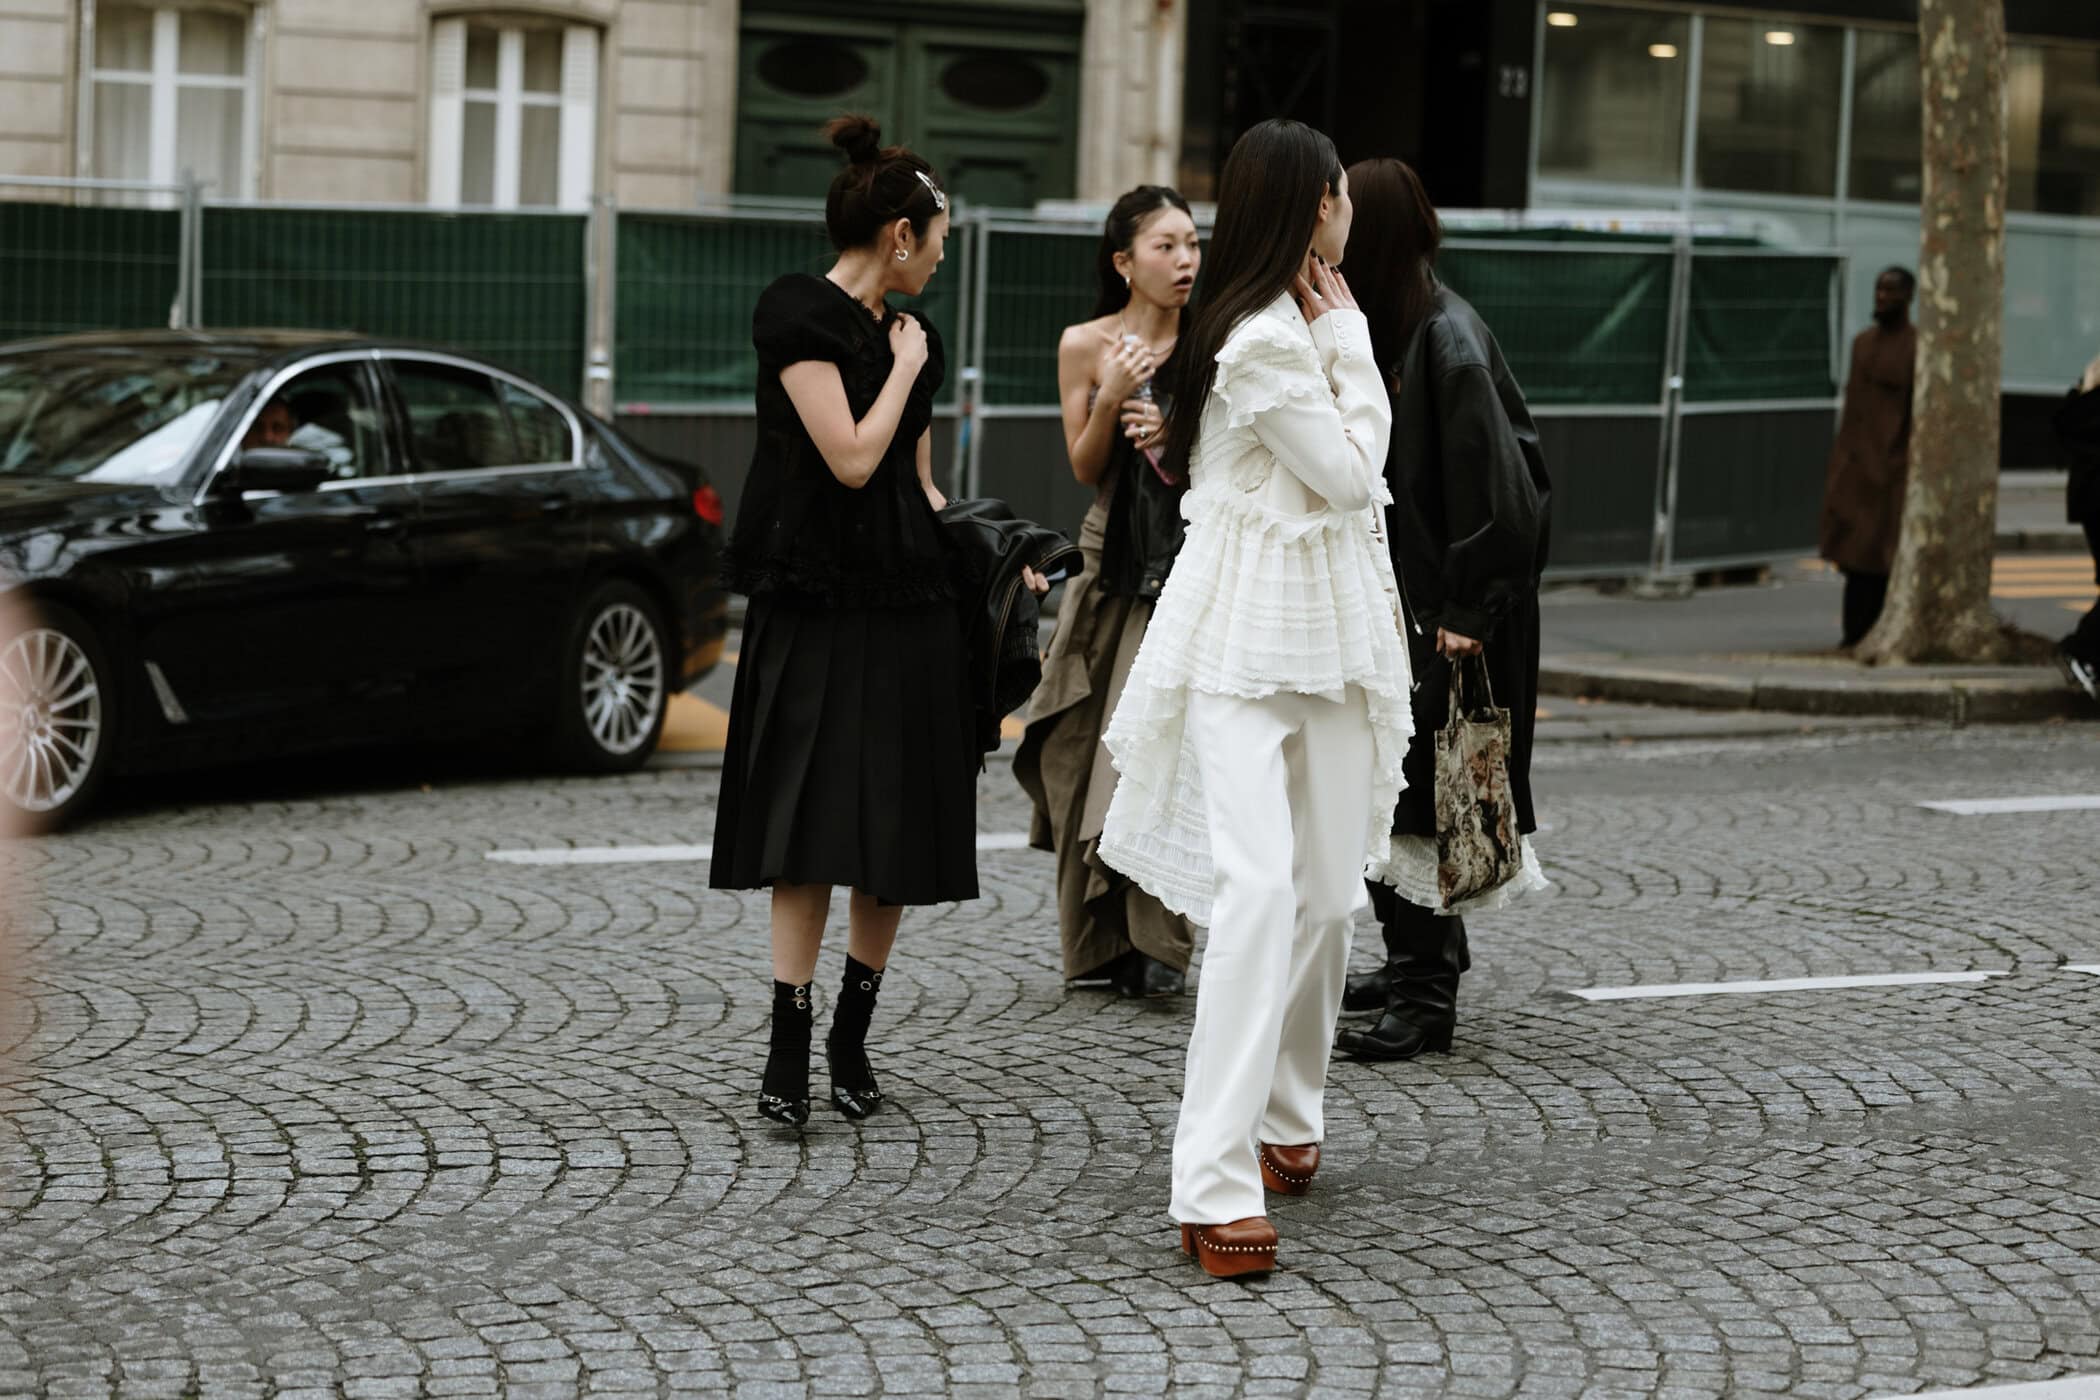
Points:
(1469, 524)
(987, 549)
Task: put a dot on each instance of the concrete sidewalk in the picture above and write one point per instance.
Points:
(2031, 515)
(1772, 647)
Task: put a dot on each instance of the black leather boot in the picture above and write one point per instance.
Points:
(853, 1088)
(783, 1095)
(1145, 977)
(1368, 991)
(1427, 956)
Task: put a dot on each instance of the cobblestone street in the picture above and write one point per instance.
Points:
(308, 1096)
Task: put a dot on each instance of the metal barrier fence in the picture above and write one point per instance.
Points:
(95, 255)
(1684, 386)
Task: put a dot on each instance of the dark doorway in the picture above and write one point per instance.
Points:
(1443, 84)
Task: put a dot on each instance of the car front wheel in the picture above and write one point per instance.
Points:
(615, 682)
(57, 716)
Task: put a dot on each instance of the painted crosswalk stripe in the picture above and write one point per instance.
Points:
(603, 855)
(2092, 968)
(1783, 984)
(2069, 1388)
(1998, 806)
(672, 855)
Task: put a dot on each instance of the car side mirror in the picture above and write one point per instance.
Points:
(273, 469)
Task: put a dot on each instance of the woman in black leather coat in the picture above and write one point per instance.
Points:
(1468, 529)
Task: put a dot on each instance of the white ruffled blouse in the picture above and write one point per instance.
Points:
(1284, 583)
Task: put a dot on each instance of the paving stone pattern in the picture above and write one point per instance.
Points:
(306, 1097)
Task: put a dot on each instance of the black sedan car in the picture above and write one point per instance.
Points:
(236, 544)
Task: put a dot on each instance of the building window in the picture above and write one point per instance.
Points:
(1886, 142)
(1613, 94)
(513, 114)
(2054, 101)
(169, 93)
(1768, 106)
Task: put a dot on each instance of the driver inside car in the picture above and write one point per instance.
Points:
(277, 425)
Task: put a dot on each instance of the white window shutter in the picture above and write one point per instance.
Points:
(448, 80)
(167, 34)
(510, 118)
(579, 116)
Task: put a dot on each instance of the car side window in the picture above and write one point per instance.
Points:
(455, 420)
(543, 433)
(329, 410)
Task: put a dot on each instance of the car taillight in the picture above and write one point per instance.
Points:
(707, 504)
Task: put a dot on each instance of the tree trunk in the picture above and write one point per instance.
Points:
(1939, 602)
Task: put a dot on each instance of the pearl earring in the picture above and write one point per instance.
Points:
(903, 256)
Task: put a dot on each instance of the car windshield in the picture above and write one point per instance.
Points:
(126, 417)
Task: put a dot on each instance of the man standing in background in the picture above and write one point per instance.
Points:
(1870, 463)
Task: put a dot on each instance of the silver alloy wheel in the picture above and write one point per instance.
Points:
(50, 719)
(623, 679)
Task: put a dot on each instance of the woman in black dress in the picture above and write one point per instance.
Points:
(850, 758)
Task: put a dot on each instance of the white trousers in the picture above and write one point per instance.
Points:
(1287, 787)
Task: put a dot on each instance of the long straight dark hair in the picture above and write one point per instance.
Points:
(1119, 235)
(1268, 206)
(1393, 243)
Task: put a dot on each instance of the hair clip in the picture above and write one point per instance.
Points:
(940, 201)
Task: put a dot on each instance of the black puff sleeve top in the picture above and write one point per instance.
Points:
(799, 530)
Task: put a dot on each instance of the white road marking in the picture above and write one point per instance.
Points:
(2093, 968)
(2069, 1388)
(1783, 984)
(656, 855)
(1002, 840)
(603, 855)
(1994, 806)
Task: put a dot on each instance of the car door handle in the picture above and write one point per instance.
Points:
(388, 523)
(556, 505)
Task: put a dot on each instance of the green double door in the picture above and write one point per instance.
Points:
(994, 106)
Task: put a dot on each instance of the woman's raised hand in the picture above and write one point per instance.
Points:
(1127, 365)
(1319, 289)
(908, 343)
(1143, 422)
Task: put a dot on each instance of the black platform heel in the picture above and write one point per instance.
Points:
(853, 1088)
(783, 1095)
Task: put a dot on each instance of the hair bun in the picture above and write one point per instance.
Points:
(857, 135)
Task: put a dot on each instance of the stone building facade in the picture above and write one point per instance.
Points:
(340, 100)
(529, 103)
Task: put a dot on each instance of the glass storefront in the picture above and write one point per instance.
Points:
(1762, 100)
(1614, 108)
(1768, 106)
(2054, 97)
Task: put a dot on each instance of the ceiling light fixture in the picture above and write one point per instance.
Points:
(1561, 19)
(1779, 38)
(1662, 51)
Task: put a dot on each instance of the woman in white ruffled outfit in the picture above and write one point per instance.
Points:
(1260, 735)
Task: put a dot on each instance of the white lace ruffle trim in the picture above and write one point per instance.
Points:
(1261, 602)
(1158, 826)
(1410, 868)
(1261, 366)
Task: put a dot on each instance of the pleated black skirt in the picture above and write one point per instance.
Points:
(850, 758)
